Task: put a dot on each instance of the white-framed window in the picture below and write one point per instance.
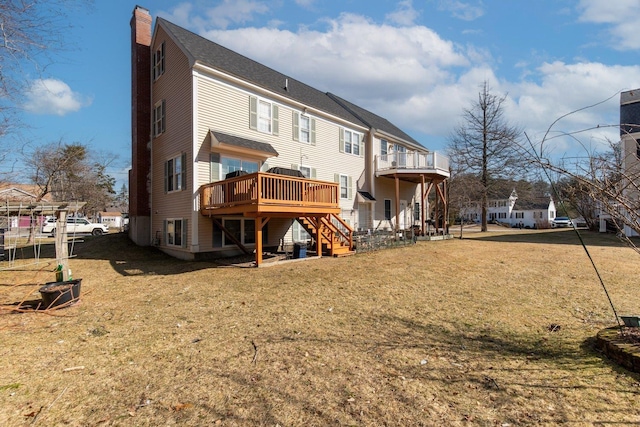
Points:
(175, 232)
(159, 119)
(298, 233)
(502, 203)
(401, 153)
(384, 149)
(519, 215)
(241, 229)
(350, 142)
(502, 215)
(231, 164)
(306, 171)
(175, 173)
(158, 62)
(304, 128)
(345, 186)
(493, 204)
(263, 115)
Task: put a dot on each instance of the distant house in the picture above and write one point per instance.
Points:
(17, 205)
(516, 212)
(114, 220)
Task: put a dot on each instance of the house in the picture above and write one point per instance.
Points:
(630, 140)
(19, 203)
(510, 210)
(231, 156)
(114, 220)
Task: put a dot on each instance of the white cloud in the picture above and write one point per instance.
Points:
(462, 10)
(226, 13)
(396, 61)
(618, 15)
(52, 96)
(405, 15)
(422, 82)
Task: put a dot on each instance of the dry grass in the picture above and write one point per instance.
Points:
(441, 333)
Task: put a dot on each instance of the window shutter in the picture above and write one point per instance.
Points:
(312, 137)
(166, 177)
(253, 112)
(163, 126)
(184, 171)
(349, 188)
(164, 231)
(275, 126)
(313, 173)
(362, 146)
(296, 126)
(184, 233)
(342, 140)
(154, 129)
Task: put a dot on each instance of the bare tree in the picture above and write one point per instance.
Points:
(68, 172)
(32, 32)
(485, 144)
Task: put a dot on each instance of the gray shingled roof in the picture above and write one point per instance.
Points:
(219, 57)
(527, 205)
(373, 120)
(244, 142)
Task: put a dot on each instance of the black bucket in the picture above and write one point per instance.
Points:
(55, 294)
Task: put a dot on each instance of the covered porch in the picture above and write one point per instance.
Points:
(263, 196)
(430, 170)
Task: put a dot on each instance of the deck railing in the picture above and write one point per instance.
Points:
(413, 160)
(261, 188)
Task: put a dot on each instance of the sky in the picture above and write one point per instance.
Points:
(418, 63)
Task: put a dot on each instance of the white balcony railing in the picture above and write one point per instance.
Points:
(414, 160)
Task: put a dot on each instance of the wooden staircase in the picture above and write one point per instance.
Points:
(336, 238)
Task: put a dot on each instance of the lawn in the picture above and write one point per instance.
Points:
(495, 329)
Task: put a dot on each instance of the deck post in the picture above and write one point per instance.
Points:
(319, 237)
(259, 224)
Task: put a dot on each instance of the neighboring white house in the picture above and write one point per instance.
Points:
(516, 213)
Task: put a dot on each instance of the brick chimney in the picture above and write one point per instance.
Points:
(139, 209)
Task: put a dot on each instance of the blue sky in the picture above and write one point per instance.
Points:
(416, 63)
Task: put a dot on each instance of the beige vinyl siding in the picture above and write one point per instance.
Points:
(385, 189)
(224, 107)
(174, 86)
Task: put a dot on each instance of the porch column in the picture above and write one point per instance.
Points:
(422, 207)
(397, 226)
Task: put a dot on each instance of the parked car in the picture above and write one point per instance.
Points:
(76, 226)
(561, 221)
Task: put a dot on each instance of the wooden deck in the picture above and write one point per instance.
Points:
(265, 195)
